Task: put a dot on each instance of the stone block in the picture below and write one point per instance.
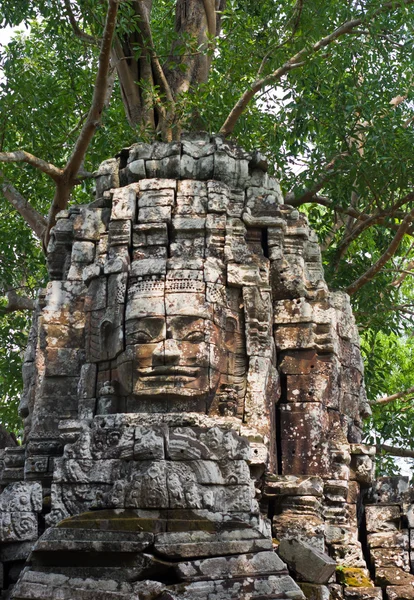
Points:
(314, 591)
(188, 303)
(64, 539)
(389, 490)
(242, 275)
(119, 233)
(157, 184)
(340, 534)
(124, 203)
(89, 224)
(18, 526)
(389, 539)
(107, 176)
(393, 576)
(290, 485)
(83, 252)
(21, 497)
(389, 558)
(362, 469)
(63, 362)
(233, 172)
(244, 565)
(307, 527)
(150, 234)
(300, 362)
(198, 148)
(308, 563)
(306, 421)
(349, 555)
(314, 387)
(362, 593)
(382, 518)
(151, 198)
(148, 266)
(259, 588)
(136, 170)
(400, 592)
(154, 214)
(354, 577)
(203, 544)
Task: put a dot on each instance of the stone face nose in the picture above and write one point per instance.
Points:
(171, 352)
(158, 355)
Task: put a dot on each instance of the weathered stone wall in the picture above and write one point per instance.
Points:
(189, 375)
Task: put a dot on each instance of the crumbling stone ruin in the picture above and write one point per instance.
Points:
(193, 402)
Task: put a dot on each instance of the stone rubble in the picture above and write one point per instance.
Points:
(193, 402)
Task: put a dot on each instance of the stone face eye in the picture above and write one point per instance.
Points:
(143, 337)
(195, 337)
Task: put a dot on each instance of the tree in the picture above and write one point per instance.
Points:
(323, 89)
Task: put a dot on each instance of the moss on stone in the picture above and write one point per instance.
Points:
(353, 577)
(129, 520)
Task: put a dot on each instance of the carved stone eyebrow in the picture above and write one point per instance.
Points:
(182, 326)
(154, 327)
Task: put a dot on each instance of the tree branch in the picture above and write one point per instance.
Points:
(377, 218)
(99, 95)
(82, 35)
(390, 251)
(324, 201)
(210, 10)
(70, 177)
(397, 396)
(395, 451)
(311, 193)
(297, 14)
(156, 65)
(38, 163)
(17, 303)
(347, 240)
(34, 219)
(298, 60)
(407, 271)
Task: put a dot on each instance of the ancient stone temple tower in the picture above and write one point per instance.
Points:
(190, 383)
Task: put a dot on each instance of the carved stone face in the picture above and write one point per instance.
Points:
(170, 357)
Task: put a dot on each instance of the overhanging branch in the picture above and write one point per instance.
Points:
(395, 451)
(393, 397)
(99, 95)
(82, 35)
(15, 302)
(34, 219)
(156, 65)
(38, 163)
(390, 251)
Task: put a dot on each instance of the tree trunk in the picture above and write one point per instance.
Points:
(199, 21)
(131, 58)
(139, 69)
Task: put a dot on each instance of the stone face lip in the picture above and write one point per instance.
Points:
(309, 564)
